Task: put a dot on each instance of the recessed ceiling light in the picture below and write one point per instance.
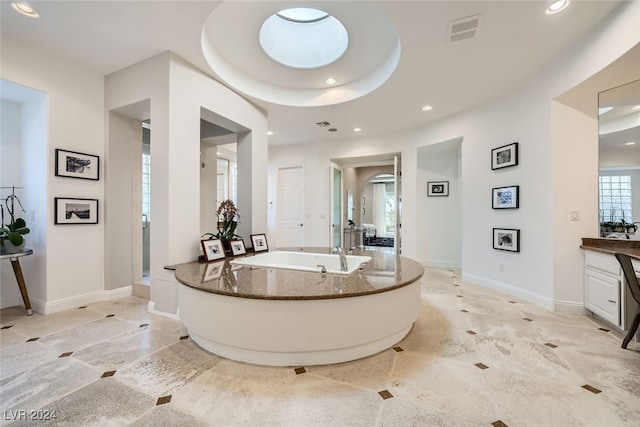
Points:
(218, 153)
(427, 108)
(557, 6)
(630, 143)
(269, 133)
(330, 81)
(25, 9)
(357, 130)
(635, 107)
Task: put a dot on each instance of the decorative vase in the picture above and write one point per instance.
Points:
(10, 248)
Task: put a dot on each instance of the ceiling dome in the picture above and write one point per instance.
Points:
(278, 53)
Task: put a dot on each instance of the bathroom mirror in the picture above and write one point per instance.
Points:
(619, 161)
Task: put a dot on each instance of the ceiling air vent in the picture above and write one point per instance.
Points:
(464, 28)
(323, 124)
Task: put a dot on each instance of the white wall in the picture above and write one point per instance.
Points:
(548, 270)
(178, 95)
(439, 219)
(71, 257)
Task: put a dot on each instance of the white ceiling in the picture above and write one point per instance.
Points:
(515, 39)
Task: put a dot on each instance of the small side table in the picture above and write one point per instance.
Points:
(17, 270)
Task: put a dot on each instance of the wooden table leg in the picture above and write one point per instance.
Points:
(15, 263)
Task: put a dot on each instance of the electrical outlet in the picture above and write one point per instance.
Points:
(575, 216)
(501, 268)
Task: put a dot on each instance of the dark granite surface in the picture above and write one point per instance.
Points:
(611, 246)
(383, 273)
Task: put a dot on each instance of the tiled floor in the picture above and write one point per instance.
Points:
(474, 357)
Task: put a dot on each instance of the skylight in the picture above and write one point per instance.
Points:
(303, 38)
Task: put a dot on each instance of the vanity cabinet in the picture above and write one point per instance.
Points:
(602, 286)
(606, 294)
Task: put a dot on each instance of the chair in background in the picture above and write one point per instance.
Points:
(634, 287)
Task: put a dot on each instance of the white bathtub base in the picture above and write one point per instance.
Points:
(309, 358)
(298, 332)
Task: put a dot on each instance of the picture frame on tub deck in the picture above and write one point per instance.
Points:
(75, 211)
(506, 239)
(212, 249)
(72, 164)
(259, 242)
(505, 156)
(505, 197)
(237, 247)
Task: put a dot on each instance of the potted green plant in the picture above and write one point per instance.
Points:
(11, 235)
(228, 218)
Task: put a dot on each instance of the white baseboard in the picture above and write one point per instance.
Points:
(80, 300)
(151, 308)
(576, 307)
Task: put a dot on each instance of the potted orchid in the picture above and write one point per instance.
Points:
(228, 218)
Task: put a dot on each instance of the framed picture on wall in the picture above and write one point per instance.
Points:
(505, 197)
(506, 239)
(438, 188)
(505, 156)
(237, 247)
(212, 249)
(259, 242)
(71, 164)
(75, 211)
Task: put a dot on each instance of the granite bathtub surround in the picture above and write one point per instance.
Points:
(475, 357)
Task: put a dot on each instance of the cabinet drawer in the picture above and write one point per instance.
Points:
(604, 262)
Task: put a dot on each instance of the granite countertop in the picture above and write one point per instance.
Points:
(611, 246)
(383, 273)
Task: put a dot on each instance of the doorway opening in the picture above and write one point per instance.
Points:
(368, 201)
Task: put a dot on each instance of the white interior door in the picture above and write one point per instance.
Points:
(291, 206)
(335, 185)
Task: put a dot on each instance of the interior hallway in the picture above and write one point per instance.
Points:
(474, 357)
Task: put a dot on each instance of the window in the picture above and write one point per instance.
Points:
(615, 198)
(390, 213)
(146, 185)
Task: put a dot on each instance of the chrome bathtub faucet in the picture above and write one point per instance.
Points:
(343, 258)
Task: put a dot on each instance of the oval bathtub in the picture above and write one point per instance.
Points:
(302, 261)
(282, 317)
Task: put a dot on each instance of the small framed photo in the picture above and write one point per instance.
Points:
(437, 188)
(77, 165)
(259, 242)
(505, 156)
(506, 239)
(213, 271)
(212, 249)
(237, 247)
(75, 211)
(505, 197)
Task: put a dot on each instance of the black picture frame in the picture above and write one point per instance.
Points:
(237, 247)
(73, 211)
(213, 249)
(72, 164)
(505, 197)
(438, 189)
(259, 242)
(505, 156)
(506, 239)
